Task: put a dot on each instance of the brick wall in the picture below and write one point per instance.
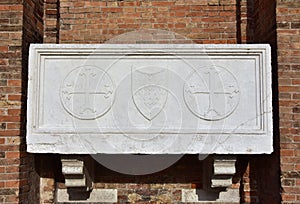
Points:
(51, 21)
(18, 25)
(261, 182)
(159, 187)
(266, 168)
(202, 21)
(245, 21)
(11, 15)
(288, 38)
(32, 32)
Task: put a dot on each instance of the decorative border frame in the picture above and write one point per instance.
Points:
(50, 141)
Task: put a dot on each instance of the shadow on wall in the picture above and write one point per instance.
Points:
(186, 170)
(31, 33)
(261, 180)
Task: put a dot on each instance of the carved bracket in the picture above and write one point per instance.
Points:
(218, 171)
(223, 171)
(76, 173)
(79, 175)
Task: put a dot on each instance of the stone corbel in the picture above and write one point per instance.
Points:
(79, 174)
(223, 171)
(75, 171)
(218, 171)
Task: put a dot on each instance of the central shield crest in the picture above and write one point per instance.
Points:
(148, 90)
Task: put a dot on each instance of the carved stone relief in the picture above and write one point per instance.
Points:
(87, 92)
(148, 93)
(151, 99)
(211, 93)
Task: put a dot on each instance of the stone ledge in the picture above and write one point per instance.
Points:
(203, 197)
(95, 196)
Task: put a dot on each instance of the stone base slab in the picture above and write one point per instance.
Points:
(96, 196)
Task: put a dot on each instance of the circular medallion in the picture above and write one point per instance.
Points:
(87, 92)
(211, 93)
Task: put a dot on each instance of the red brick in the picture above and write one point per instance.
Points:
(10, 133)
(288, 197)
(12, 169)
(12, 199)
(112, 9)
(4, 8)
(162, 3)
(13, 155)
(294, 190)
(16, 8)
(14, 97)
(287, 167)
(3, 48)
(10, 119)
(93, 4)
(296, 81)
(287, 152)
(12, 184)
(13, 126)
(14, 112)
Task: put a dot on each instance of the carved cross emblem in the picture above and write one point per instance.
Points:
(211, 93)
(87, 92)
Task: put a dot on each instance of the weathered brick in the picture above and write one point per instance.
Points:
(288, 51)
(8, 191)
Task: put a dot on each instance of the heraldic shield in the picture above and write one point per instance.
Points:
(149, 93)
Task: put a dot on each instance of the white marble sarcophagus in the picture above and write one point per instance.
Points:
(152, 99)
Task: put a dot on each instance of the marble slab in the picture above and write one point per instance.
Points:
(152, 99)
